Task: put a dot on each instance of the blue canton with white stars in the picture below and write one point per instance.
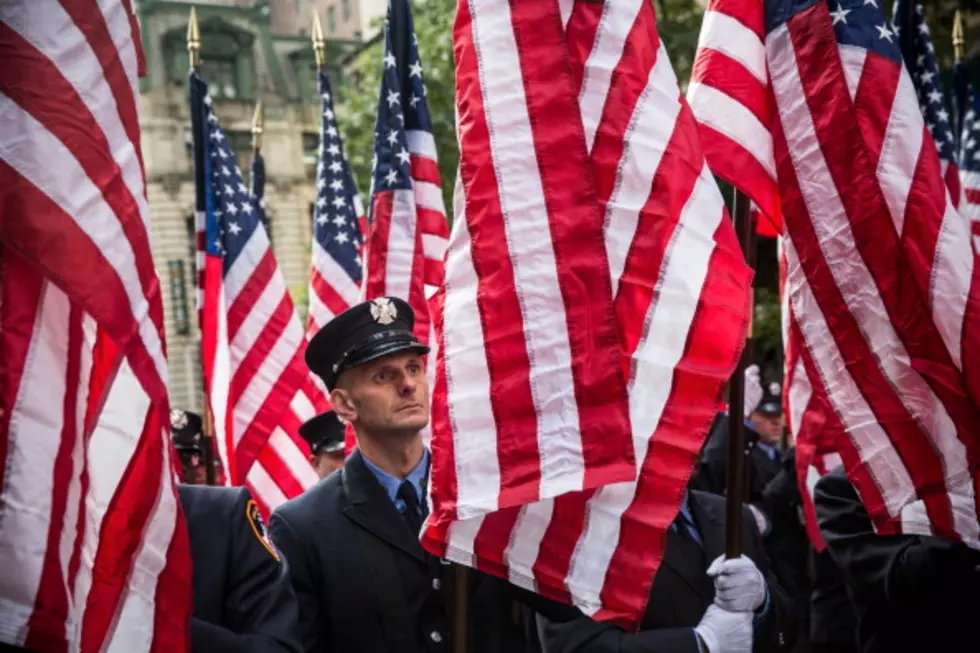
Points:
(335, 213)
(862, 23)
(401, 105)
(969, 154)
(233, 212)
(920, 59)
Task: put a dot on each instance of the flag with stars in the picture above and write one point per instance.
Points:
(252, 341)
(338, 225)
(879, 267)
(969, 149)
(912, 32)
(408, 232)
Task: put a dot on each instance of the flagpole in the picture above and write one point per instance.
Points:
(959, 38)
(736, 481)
(258, 127)
(207, 426)
(319, 46)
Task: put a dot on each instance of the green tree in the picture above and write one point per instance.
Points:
(359, 97)
(679, 25)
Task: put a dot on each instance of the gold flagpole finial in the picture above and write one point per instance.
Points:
(319, 47)
(194, 40)
(959, 38)
(258, 125)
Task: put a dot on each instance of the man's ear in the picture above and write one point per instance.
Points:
(343, 405)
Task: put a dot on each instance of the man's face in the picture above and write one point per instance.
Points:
(389, 395)
(769, 427)
(326, 463)
(193, 469)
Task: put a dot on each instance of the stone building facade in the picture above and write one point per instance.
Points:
(251, 50)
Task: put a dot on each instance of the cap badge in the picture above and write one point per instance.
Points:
(383, 311)
(178, 419)
(774, 388)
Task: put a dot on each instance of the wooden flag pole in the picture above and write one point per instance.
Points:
(461, 609)
(208, 432)
(736, 481)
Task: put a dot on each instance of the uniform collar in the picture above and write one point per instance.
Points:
(391, 483)
(685, 510)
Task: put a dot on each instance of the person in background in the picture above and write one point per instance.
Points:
(243, 601)
(763, 432)
(325, 434)
(188, 440)
(787, 542)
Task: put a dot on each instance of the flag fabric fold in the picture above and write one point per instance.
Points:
(968, 138)
(880, 279)
(93, 546)
(912, 35)
(408, 229)
(677, 282)
(729, 95)
(252, 342)
(338, 224)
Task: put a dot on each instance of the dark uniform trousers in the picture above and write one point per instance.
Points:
(364, 583)
(910, 593)
(788, 544)
(243, 601)
(681, 594)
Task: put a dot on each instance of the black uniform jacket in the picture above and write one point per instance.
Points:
(364, 583)
(681, 593)
(710, 476)
(833, 626)
(910, 592)
(787, 541)
(243, 601)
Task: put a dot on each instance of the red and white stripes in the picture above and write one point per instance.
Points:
(408, 236)
(530, 352)
(94, 547)
(878, 260)
(261, 390)
(729, 94)
(679, 285)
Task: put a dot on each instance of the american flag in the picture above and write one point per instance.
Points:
(252, 341)
(729, 94)
(93, 546)
(814, 426)
(879, 272)
(969, 150)
(408, 231)
(338, 219)
(676, 277)
(912, 36)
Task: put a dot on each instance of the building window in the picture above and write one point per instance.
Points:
(190, 225)
(227, 63)
(331, 19)
(311, 150)
(221, 77)
(346, 8)
(178, 297)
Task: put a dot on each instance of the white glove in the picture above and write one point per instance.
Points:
(725, 632)
(739, 585)
(753, 390)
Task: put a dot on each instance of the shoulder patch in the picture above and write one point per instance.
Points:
(258, 527)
